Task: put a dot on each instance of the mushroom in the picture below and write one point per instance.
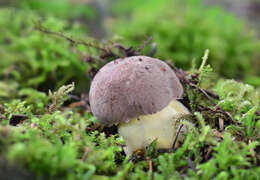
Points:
(139, 94)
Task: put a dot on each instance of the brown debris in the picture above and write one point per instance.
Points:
(33, 125)
(209, 152)
(82, 102)
(85, 155)
(252, 152)
(150, 164)
(17, 118)
(2, 109)
(221, 124)
(219, 134)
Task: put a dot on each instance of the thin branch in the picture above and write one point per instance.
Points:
(146, 42)
(176, 137)
(203, 92)
(74, 42)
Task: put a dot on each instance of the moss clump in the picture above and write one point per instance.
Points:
(33, 59)
(66, 144)
(183, 30)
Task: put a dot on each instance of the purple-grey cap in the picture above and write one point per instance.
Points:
(129, 87)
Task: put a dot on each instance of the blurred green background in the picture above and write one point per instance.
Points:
(182, 30)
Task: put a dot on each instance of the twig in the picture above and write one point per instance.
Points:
(203, 92)
(176, 137)
(74, 97)
(221, 124)
(106, 48)
(85, 155)
(82, 102)
(146, 42)
(210, 150)
(215, 96)
(225, 112)
(74, 42)
(217, 110)
(150, 166)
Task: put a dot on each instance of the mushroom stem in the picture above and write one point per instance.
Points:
(141, 131)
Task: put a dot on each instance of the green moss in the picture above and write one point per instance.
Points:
(183, 30)
(57, 141)
(34, 59)
(59, 146)
(60, 8)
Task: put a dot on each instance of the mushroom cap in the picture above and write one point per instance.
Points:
(129, 87)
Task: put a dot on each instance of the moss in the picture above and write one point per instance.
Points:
(183, 30)
(64, 144)
(54, 139)
(60, 8)
(34, 60)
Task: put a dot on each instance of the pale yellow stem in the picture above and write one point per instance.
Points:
(140, 132)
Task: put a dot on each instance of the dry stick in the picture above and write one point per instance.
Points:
(203, 92)
(176, 137)
(150, 166)
(210, 150)
(221, 124)
(211, 99)
(74, 42)
(225, 112)
(219, 110)
(85, 155)
(146, 42)
(74, 97)
(204, 60)
(182, 76)
(215, 96)
(128, 51)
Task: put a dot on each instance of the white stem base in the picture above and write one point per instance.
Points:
(142, 131)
